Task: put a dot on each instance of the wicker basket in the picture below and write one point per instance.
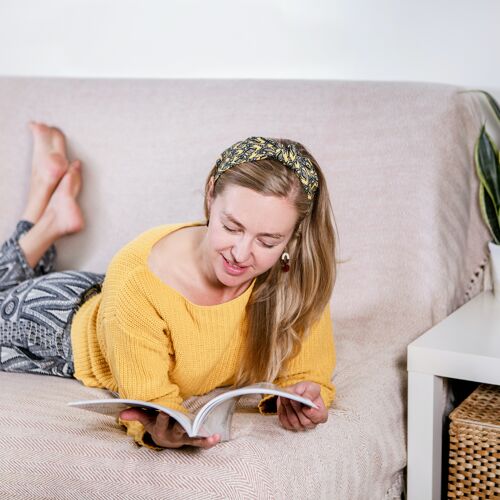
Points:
(474, 461)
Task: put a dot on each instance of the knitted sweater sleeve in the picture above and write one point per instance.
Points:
(315, 362)
(140, 352)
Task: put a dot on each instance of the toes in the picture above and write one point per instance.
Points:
(76, 178)
(76, 166)
(50, 161)
(58, 140)
(48, 137)
(57, 164)
(39, 128)
(42, 141)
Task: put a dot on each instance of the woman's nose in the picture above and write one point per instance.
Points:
(241, 251)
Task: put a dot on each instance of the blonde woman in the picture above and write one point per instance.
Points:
(238, 298)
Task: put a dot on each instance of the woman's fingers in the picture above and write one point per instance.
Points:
(179, 435)
(317, 416)
(205, 443)
(166, 431)
(312, 391)
(144, 417)
(300, 411)
(282, 415)
(175, 429)
(163, 433)
(292, 416)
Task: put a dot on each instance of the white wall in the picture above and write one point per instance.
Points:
(453, 41)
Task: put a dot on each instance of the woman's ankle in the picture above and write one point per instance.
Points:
(35, 242)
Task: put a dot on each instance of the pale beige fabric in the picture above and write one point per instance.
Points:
(399, 166)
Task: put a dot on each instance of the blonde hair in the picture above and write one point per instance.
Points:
(284, 306)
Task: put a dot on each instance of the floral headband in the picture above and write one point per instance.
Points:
(260, 148)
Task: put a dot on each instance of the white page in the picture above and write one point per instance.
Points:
(113, 407)
(261, 388)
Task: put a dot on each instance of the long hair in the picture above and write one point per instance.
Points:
(283, 306)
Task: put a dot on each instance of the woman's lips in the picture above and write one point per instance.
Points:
(233, 269)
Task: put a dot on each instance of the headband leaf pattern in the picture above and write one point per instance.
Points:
(261, 148)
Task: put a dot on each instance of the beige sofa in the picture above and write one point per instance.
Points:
(411, 245)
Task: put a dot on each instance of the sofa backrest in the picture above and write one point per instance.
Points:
(398, 159)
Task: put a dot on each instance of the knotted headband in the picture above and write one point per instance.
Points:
(260, 148)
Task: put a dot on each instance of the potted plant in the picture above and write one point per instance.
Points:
(487, 163)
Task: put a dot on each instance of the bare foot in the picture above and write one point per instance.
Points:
(63, 210)
(50, 163)
(61, 216)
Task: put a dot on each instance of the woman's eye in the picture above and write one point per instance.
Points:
(230, 230)
(266, 245)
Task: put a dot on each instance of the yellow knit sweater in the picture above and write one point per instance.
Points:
(143, 339)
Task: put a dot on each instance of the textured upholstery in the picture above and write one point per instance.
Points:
(411, 244)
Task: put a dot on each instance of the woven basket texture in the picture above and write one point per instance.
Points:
(473, 471)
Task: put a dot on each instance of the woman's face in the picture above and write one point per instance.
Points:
(247, 233)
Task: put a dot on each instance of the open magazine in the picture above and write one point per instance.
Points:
(214, 417)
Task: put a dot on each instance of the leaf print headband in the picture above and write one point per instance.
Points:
(261, 148)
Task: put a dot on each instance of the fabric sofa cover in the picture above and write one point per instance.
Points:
(398, 159)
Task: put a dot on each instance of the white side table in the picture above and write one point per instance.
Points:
(465, 346)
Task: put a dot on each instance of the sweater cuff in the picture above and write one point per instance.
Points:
(327, 395)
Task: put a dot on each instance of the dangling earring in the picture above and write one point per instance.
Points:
(285, 259)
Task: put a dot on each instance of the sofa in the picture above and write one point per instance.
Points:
(411, 249)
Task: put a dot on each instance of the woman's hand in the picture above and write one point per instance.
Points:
(165, 431)
(294, 415)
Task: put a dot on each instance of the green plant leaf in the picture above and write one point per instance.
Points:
(490, 215)
(487, 166)
(492, 102)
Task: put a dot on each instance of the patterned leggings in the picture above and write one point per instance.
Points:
(36, 309)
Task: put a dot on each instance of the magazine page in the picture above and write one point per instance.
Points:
(221, 419)
(113, 407)
(217, 421)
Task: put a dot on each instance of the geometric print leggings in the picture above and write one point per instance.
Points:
(36, 309)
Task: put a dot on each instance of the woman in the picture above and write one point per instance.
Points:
(184, 308)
